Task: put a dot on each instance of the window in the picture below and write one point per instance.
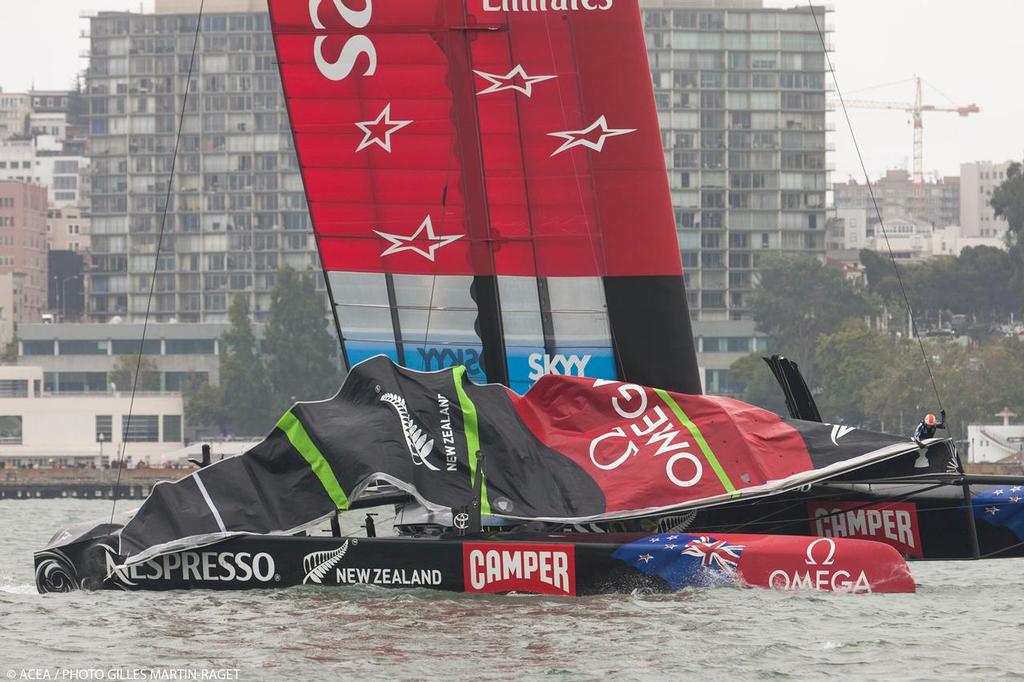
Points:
(13, 388)
(131, 347)
(189, 346)
(172, 428)
(10, 430)
(737, 344)
(70, 347)
(37, 347)
(104, 428)
(141, 428)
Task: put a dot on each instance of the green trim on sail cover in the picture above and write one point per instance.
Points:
(471, 427)
(699, 437)
(300, 440)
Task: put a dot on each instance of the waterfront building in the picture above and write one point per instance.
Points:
(996, 442)
(237, 211)
(79, 358)
(978, 180)
(740, 90)
(38, 428)
(720, 344)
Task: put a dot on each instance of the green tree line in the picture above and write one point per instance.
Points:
(854, 348)
(863, 374)
(299, 362)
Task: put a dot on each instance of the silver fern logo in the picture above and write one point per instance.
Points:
(318, 564)
(420, 444)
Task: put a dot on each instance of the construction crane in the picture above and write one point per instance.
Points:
(917, 109)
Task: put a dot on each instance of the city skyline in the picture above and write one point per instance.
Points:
(936, 39)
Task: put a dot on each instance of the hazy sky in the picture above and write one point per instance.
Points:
(969, 50)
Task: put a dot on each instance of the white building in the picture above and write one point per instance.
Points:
(977, 182)
(38, 428)
(847, 230)
(996, 442)
(15, 108)
(909, 239)
(950, 241)
(41, 160)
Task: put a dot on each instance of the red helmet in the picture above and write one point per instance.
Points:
(930, 420)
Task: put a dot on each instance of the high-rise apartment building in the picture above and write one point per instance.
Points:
(237, 211)
(977, 181)
(741, 95)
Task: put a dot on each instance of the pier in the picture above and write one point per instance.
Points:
(70, 483)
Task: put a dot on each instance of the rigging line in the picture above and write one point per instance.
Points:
(156, 262)
(878, 212)
(879, 86)
(936, 89)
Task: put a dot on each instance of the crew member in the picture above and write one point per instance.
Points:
(926, 429)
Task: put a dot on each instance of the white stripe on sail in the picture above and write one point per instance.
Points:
(209, 502)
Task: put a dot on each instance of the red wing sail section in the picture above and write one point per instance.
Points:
(485, 138)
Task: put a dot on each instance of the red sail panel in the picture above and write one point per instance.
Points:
(458, 137)
(648, 448)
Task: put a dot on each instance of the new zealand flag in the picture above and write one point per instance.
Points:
(683, 560)
(1002, 505)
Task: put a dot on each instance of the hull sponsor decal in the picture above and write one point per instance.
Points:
(507, 567)
(894, 523)
(318, 564)
(820, 573)
(191, 566)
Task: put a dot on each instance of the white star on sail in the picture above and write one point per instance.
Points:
(379, 130)
(400, 243)
(511, 81)
(645, 558)
(991, 510)
(581, 138)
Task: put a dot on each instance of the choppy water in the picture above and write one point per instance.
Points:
(966, 621)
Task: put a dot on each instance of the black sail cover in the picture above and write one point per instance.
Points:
(571, 450)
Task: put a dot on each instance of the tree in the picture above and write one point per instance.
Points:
(754, 382)
(1008, 202)
(243, 378)
(301, 353)
(798, 300)
(122, 376)
(848, 361)
(10, 353)
(240, 405)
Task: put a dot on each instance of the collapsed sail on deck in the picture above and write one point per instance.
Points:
(570, 450)
(487, 186)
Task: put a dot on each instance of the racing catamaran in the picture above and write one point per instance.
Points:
(488, 191)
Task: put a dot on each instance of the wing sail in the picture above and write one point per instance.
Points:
(487, 185)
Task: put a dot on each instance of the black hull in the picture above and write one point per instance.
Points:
(561, 564)
(931, 513)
